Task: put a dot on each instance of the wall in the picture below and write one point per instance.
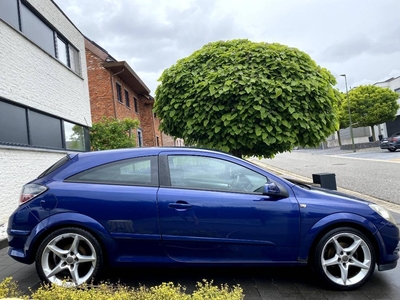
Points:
(100, 92)
(19, 166)
(35, 78)
(32, 77)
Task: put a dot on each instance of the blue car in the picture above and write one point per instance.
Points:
(192, 207)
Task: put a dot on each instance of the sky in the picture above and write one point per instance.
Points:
(359, 38)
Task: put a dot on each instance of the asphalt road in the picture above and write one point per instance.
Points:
(372, 171)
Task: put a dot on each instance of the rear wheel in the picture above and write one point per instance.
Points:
(69, 256)
(344, 259)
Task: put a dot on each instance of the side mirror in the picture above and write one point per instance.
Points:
(272, 189)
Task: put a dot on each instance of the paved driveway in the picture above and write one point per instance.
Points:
(257, 283)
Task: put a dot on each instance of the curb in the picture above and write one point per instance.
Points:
(3, 243)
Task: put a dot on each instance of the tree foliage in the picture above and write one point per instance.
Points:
(111, 133)
(372, 105)
(343, 111)
(247, 98)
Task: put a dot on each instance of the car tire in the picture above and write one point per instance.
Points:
(344, 259)
(392, 150)
(69, 256)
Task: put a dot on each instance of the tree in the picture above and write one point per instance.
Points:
(372, 105)
(247, 98)
(111, 133)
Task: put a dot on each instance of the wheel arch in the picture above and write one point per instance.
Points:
(325, 225)
(64, 220)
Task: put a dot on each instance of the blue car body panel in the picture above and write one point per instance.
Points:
(163, 224)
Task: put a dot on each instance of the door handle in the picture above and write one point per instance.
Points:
(179, 205)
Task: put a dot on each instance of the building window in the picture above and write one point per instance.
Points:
(135, 103)
(9, 13)
(119, 92)
(40, 31)
(14, 119)
(127, 99)
(139, 138)
(62, 51)
(74, 59)
(45, 131)
(74, 136)
(36, 30)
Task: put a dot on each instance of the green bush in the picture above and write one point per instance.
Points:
(9, 288)
(204, 291)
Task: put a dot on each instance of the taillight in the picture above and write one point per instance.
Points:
(30, 191)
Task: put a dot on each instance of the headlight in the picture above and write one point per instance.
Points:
(383, 212)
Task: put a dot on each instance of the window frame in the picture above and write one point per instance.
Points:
(135, 104)
(119, 92)
(28, 113)
(139, 137)
(126, 92)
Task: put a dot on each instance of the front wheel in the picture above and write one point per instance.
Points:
(344, 258)
(392, 150)
(69, 256)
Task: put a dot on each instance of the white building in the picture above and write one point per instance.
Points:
(388, 128)
(44, 98)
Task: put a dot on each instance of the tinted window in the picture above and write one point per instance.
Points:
(45, 130)
(13, 124)
(37, 30)
(9, 12)
(199, 172)
(135, 171)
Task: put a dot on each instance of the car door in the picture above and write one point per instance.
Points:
(121, 195)
(213, 210)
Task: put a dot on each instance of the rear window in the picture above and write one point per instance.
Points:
(134, 171)
(57, 165)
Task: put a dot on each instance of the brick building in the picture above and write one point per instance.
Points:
(117, 91)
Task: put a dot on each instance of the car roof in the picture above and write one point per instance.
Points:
(143, 151)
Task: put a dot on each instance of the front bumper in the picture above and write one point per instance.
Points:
(393, 264)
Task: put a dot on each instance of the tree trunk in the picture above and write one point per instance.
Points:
(338, 137)
(237, 152)
(373, 133)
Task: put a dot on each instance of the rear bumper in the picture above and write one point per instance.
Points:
(17, 249)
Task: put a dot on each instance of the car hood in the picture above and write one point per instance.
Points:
(326, 193)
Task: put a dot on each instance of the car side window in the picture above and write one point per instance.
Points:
(200, 172)
(135, 171)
